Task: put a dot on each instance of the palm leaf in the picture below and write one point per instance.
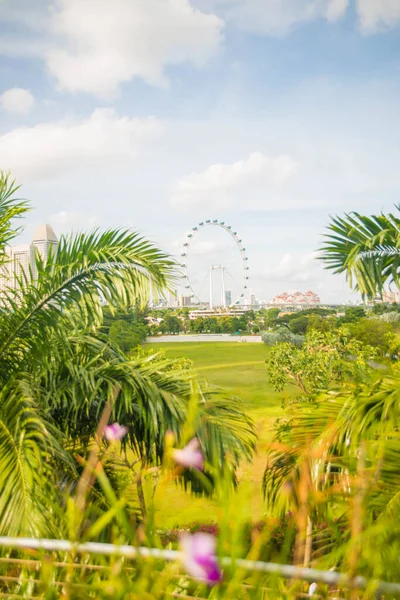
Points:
(118, 266)
(364, 248)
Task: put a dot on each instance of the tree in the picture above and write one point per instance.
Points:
(299, 325)
(197, 325)
(125, 328)
(235, 324)
(342, 450)
(374, 332)
(323, 323)
(323, 359)
(352, 314)
(271, 317)
(170, 324)
(381, 308)
(225, 324)
(366, 249)
(127, 335)
(59, 372)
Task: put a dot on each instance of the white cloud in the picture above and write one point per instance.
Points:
(217, 186)
(65, 221)
(100, 48)
(336, 9)
(49, 149)
(294, 268)
(197, 247)
(277, 17)
(17, 101)
(378, 15)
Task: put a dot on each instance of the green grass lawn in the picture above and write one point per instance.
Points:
(240, 370)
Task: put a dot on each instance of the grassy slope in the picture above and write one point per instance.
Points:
(240, 370)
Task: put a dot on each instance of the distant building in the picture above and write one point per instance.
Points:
(209, 312)
(391, 297)
(296, 299)
(228, 298)
(21, 259)
(172, 299)
(185, 300)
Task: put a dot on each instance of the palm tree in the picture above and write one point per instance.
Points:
(367, 249)
(340, 455)
(345, 450)
(57, 371)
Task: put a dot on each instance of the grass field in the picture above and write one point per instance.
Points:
(240, 370)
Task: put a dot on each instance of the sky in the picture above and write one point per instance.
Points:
(271, 115)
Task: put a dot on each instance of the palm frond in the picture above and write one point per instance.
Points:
(359, 246)
(118, 266)
(10, 208)
(26, 445)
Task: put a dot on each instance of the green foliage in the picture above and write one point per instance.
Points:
(319, 323)
(373, 332)
(379, 308)
(170, 324)
(282, 335)
(299, 326)
(345, 449)
(59, 371)
(127, 334)
(324, 358)
(365, 249)
(392, 317)
(271, 316)
(352, 314)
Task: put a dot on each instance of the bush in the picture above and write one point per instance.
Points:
(282, 335)
(390, 317)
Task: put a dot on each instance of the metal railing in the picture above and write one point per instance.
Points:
(330, 578)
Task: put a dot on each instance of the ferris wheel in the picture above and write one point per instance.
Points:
(217, 265)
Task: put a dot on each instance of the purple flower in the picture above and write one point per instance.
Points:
(190, 455)
(198, 556)
(115, 432)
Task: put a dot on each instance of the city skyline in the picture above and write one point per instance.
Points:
(269, 115)
(21, 257)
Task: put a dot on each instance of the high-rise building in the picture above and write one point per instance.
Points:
(43, 240)
(172, 298)
(228, 298)
(185, 300)
(21, 259)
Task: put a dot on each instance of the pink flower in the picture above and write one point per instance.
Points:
(115, 432)
(198, 557)
(190, 455)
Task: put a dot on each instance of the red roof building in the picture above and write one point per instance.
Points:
(297, 298)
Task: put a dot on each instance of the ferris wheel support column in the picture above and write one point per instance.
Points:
(211, 290)
(223, 287)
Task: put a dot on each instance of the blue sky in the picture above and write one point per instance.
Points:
(157, 114)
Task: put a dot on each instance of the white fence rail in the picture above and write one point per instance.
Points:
(286, 571)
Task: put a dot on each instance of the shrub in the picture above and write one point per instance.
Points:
(282, 335)
(390, 317)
